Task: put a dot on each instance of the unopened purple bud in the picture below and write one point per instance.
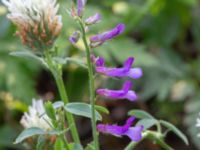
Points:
(103, 37)
(80, 7)
(74, 37)
(93, 19)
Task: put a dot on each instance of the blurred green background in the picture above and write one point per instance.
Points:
(162, 35)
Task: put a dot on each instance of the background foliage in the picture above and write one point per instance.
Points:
(162, 35)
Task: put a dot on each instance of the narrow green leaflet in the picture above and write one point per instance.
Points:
(102, 109)
(147, 123)
(140, 114)
(77, 147)
(28, 133)
(81, 109)
(27, 54)
(175, 130)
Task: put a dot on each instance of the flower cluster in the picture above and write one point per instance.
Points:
(37, 21)
(36, 117)
(134, 133)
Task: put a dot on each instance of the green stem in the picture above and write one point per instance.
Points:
(91, 86)
(152, 135)
(57, 73)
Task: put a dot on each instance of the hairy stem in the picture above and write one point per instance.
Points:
(57, 73)
(91, 86)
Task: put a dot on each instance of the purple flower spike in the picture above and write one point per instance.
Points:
(125, 71)
(124, 93)
(101, 38)
(93, 19)
(134, 133)
(80, 7)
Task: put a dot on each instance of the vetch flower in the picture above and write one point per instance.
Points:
(93, 19)
(80, 7)
(125, 71)
(36, 117)
(99, 39)
(74, 37)
(124, 93)
(134, 133)
(37, 21)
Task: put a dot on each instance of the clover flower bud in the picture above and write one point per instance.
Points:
(37, 21)
(36, 116)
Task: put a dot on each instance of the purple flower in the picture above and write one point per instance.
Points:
(74, 37)
(124, 93)
(134, 133)
(80, 7)
(93, 19)
(125, 71)
(102, 37)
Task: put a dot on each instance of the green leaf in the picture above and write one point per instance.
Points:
(90, 146)
(77, 147)
(27, 54)
(175, 130)
(102, 109)
(58, 104)
(59, 145)
(81, 109)
(50, 110)
(77, 61)
(140, 114)
(28, 133)
(147, 123)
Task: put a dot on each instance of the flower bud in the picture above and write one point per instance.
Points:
(93, 19)
(37, 21)
(74, 37)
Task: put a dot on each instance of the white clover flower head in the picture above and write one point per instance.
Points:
(37, 21)
(36, 116)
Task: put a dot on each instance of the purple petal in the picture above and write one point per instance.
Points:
(74, 37)
(128, 63)
(100, 62)
(80, 7)
(124, 93)
(135, 73)
(112, 94)
(135, 133)
(129, 121)
(112, 129)
(127, 86)
(109, 34)
(93, 19)
(131, 95)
